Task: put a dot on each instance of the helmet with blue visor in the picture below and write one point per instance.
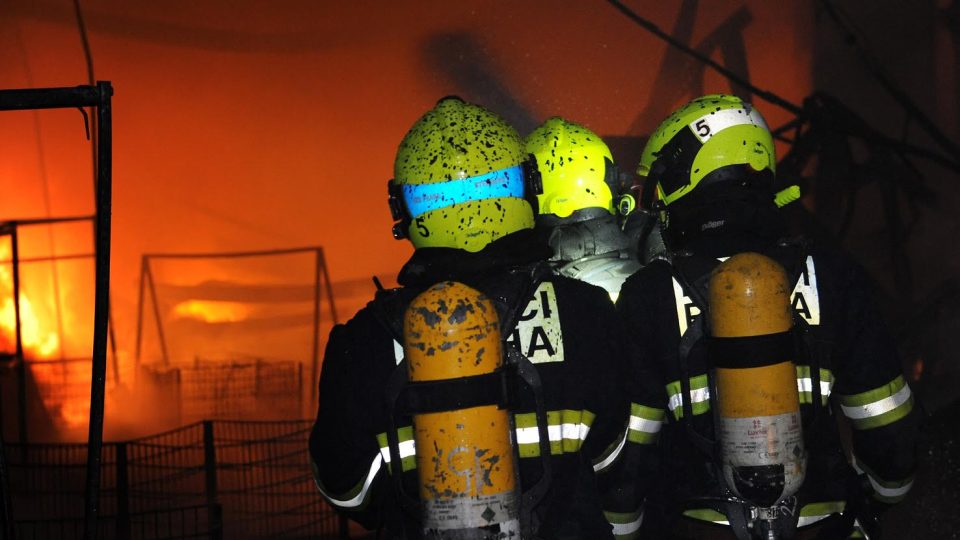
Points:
(461, 179)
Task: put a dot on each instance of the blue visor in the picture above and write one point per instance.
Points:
(422, 198)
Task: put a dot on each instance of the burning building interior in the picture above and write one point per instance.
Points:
(250, 146)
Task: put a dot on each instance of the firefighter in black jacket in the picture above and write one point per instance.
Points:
(712, 165)
(461, 194)
(576, 212)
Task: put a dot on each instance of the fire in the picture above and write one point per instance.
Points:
(37, 341)
(40, 340)
(211, 311)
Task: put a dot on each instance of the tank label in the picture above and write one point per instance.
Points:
(762, 440)
(471, 512)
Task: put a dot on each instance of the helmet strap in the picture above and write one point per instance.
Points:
(398, 210)
(532, 182)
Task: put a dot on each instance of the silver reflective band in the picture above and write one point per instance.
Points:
(613, 455)
(697, 395)
(710, 124)
(806, 385)
(397, 352)
(620, 529)
(407, 449)
(530, 435)
(878, 407)
(809, 520)
(357, 500)
(642, 424)
(892, 493)
(567, 431)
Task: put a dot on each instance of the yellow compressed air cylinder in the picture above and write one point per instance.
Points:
(465, 457)
(758, 409)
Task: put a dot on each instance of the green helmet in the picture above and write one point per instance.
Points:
(459, 179)
(576, 167)
(709, 139)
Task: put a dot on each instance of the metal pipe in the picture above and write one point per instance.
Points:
(104, 91)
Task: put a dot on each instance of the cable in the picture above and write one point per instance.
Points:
(649, 26)
(898, 95)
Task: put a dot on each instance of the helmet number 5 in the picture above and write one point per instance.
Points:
(702, 128)
(421, 228)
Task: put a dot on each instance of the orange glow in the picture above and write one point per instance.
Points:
(917, 371)
(38, 340)
(211, 311)
(75, 412)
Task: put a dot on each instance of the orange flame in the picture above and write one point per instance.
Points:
(38, 341)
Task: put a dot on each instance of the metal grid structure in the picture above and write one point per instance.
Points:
(99, 99)
(265, 484)
(275, 292)
(228, 390)
(211, 479)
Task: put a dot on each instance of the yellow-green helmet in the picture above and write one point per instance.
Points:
(709, 139)
(459, 179)
(576, 167)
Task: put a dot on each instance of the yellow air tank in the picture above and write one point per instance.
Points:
(758, 410)
(465, 457)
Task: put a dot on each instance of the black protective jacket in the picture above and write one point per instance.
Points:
(567, 329)
(843, 349)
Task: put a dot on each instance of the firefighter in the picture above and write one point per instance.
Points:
(576, 214)
(576, 209)
(461, 194)
(712, 165)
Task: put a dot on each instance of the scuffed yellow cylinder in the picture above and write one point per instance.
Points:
(758, 408)
(465, 458)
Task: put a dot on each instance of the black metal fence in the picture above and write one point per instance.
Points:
(235, 388)
(211, 479)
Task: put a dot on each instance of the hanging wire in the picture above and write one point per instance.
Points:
(850, 33)
(649, 26)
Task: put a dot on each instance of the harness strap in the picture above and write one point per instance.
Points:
(695, 331)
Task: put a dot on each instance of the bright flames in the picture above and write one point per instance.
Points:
(38, 342)
(211, 311)
(41, 341)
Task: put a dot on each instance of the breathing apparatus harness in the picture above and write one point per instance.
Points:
(693, 273)
(503, 387)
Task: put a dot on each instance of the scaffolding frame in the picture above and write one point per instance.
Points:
(321, 273)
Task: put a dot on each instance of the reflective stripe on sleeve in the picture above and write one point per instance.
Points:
(890, 494)
(626, 525)
(814, 512)
(888, 491)
(645, 424)
(566, 429)
(880, 406)
(357, 496)
(407, 448)
(707, 514)
(805, 384)
(612, 453)
(699, 396)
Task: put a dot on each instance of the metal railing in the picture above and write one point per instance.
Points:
(210, 479)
